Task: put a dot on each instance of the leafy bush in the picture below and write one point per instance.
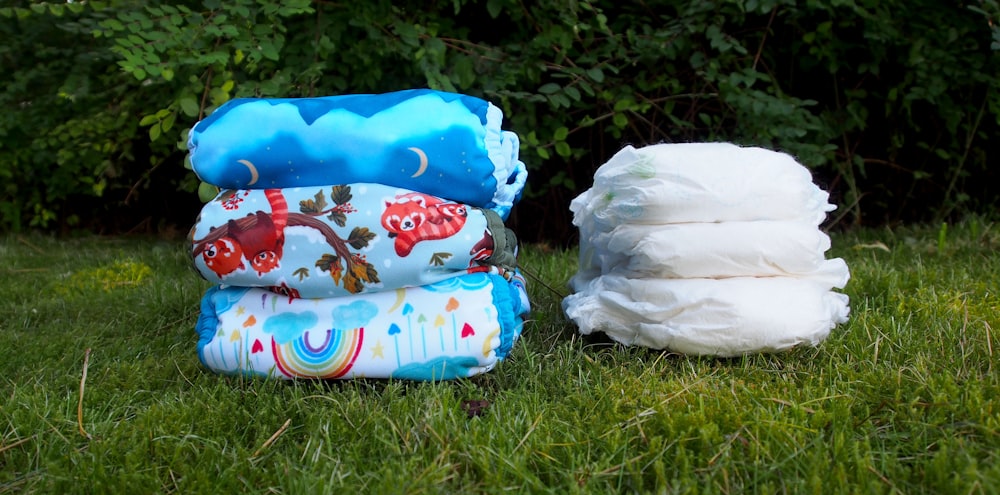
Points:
(74, 140)
(892, 103)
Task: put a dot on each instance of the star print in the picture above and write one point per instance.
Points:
(377, 350)
(240, 310)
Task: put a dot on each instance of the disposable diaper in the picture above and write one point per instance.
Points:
(724, 317)
(705, 248)
(700, 182)
(712, 250)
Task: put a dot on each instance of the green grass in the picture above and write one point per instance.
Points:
(902, 399)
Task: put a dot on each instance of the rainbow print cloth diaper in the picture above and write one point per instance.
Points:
(458, 327)
(443, 144)
(331, 241)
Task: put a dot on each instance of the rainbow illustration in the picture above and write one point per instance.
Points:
(332, 358)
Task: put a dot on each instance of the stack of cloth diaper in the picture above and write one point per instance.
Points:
(707, 249)
(358, 236)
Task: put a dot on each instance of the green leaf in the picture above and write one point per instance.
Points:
(494, 7)
(207, 192)
(464, 71)
(338, 217)
(189, 106)
(549, 88)
(372, 273)
(572, 93)
(439, 259)
(341, 194)
(407, 33)
(620, 120)
(559, 100)
(270, 51)
(168, 122)
(563, 149)
(360, 237)
(154, 132)
(218, 96)
(328, 262)
(320, 200)
(596, 74)
(113, 24)
(309, 207)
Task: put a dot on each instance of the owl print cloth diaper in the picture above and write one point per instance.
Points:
(329, 241)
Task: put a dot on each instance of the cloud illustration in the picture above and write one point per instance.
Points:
(354, 315)
(288, 326)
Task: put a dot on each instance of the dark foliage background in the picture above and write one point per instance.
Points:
(892, 103)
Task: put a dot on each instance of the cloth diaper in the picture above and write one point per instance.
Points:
(455, 328)
(443, 144)
(330, 241)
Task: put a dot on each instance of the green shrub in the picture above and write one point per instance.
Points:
(892, 103)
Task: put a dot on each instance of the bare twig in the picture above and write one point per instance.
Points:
(273, 437)
(760, 48)
(7, 447)
(531, 429)
(536, 278)
(989, 339)
(79, 406)
(24, 241)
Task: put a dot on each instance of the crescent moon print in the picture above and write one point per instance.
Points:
(423, 161)
(253, 171)
(400, 294)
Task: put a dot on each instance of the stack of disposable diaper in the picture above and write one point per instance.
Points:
(705, 248)
(358, 236)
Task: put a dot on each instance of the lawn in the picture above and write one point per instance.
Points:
(901, 399)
